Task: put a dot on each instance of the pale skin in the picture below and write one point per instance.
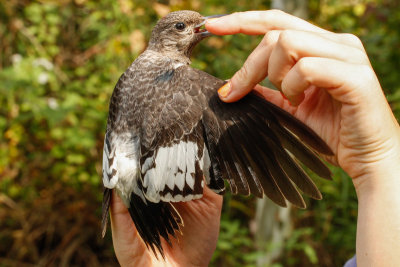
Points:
(327, 82)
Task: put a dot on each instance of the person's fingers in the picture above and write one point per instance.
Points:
(293, 45)
(346, 39)
(280, 50)
(258, 22)
(342, 80)
(261, 22)
(299, 39)
(253, 71)
(275, 97)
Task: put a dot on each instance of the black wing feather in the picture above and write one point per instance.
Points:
(289, 165)
(268, 163)
(305, 133)
(252, 137)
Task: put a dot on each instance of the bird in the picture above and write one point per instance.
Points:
(169, 135)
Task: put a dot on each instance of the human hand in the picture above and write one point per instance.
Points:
(300, 59)
(330, 86)
(193, 248)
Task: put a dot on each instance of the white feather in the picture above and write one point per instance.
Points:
(161, 167)
(190, 180)
(147, 163)
(177, 65)
(191, 154)
(168, 197)
(180, 180)
(205, 164)
(152, 192)
(181, 154)
(124, 167)
(174, 167)
(178, 198)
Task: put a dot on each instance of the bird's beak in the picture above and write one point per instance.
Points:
(203, 32)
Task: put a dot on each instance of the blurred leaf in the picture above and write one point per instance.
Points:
(59, 62)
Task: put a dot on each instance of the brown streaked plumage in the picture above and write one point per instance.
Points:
(167, 129)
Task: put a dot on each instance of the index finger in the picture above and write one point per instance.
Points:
(258, 22)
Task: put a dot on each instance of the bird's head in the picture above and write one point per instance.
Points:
(177, 33)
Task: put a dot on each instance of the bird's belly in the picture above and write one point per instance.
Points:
(128, 173)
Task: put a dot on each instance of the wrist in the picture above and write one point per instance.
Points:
(381, 177)
(378, 214)
(379, 167)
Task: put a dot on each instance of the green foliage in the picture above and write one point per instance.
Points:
(376, 23)
(236, 238)
(59, 61)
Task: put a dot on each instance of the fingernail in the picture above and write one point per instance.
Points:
(225, 90)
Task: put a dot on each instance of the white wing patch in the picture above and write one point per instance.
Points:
(121, 165)
(170, 173)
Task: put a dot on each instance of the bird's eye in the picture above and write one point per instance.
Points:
(180, 26)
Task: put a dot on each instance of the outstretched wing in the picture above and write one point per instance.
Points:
(256, 146)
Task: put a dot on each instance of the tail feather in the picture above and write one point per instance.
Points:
(153, 220)
(105, 209)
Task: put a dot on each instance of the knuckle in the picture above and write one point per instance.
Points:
(303, 66)
(286, 39)
(366, 74)
(274, 78)
(271, 37)
(238, 15)
(364, 71)
(365, 78)
(352, 39)
(361, 56)
(276, 12)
